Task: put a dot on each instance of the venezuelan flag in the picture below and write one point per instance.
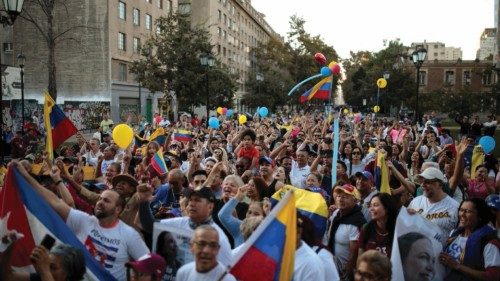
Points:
(382, 174)
(310, 204)
(319, 91)
(159, 136)
(183, 135)
(158, 163)
(269, 254)
(57, 126)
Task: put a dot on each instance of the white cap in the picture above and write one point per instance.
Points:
(432, 173)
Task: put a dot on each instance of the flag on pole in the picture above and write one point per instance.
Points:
(23, 210)
(382, 174)
(158, 162)
(269, 254)
(319, 91)
(477, 159)
(58, 127)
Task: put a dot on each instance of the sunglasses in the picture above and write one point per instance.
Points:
(356, 153)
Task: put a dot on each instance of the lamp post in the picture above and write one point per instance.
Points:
(13, 9)
(21, 61)
(259, 77)
(386, 76)
(418, 58)
(207, 60)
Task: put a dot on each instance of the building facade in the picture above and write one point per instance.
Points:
(235, 28)
(100, 39)
(487, 44)
(439, 51)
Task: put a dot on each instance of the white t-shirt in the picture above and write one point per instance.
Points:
(298, 176)
(331, 271)
(112, 247)
(308, 265)
(344, 235)
(491, 253)
(224, 256)
(105, 164)
(188, 273)
(443, 213)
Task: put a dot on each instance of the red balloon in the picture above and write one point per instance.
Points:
(336, 69)
(320, 58)
(224, 110)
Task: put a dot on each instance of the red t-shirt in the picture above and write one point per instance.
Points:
(249, 152)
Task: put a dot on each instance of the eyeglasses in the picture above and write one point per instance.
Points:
(202, 244)
(429, 181)
(356, 153)
(461, 210)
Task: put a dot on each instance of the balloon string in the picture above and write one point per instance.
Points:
(304, 81)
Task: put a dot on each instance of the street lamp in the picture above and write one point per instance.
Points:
(418, 58)
(207, 60)
(259, 77)
(386, 76)
(21, 61)
(13, 9)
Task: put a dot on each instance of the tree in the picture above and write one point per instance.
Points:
(170, 62)
(42, 14)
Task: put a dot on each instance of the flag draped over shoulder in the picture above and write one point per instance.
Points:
(183, 135)
(23, 210)
(269, 254)
(319, 91)
(382, 174)
(308, 203)
(158, 162)
(58, 127)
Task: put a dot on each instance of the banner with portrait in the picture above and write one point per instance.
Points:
(172, 242)
(416, 248)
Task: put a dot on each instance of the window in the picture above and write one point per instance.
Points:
(169, 6)
(224, 51)
(148, 1)
(224, 34)
(149, 22)
(136, 14)
(423, 78)
(121, 41)
(7, 47)
(122, 72)
(121, 10)
(219, 31)
(466, 80)
(449, 77)
(487, 78)
(220, 15)
(137, 45)
(159, 4)
(225, 18)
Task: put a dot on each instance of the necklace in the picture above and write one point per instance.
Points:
(381, 234)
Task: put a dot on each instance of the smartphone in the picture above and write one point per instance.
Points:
(48, 242)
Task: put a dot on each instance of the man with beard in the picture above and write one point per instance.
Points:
(108, 239)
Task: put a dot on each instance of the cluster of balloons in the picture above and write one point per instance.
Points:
(224, 111)
(123, 135)
(487, 143)
(332, 68)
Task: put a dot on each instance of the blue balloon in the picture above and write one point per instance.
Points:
(326, 71)
(487, 143)
(263, 111)
(229, 113)
(213, 122)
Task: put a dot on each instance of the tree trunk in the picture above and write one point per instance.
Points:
(51, 65)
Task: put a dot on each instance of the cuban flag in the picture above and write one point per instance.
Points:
(269, 253)
(23, 210)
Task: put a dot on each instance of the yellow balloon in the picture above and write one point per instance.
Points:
(345, 111)
(381, 83)
(219, 110)
(123, 135)
(376, 108)
(331, 64)
(242, 119)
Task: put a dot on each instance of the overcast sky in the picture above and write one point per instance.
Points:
(364, 24)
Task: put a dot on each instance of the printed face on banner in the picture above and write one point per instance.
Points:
(173, 245)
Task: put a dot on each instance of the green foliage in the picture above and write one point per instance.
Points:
(170, 62)
(282, 65)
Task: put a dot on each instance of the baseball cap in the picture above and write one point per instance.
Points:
(265, 159)
(365, 175)
(150, 263)
(347, 189)
(493, 201)
(432, 173)
(204, 192)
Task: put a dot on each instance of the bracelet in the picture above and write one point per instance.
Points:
(58, 182)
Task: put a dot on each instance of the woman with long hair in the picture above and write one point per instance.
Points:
(472, 250)
(356, 162)
(379, 232)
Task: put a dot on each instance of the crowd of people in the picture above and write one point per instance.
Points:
(219, 186)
